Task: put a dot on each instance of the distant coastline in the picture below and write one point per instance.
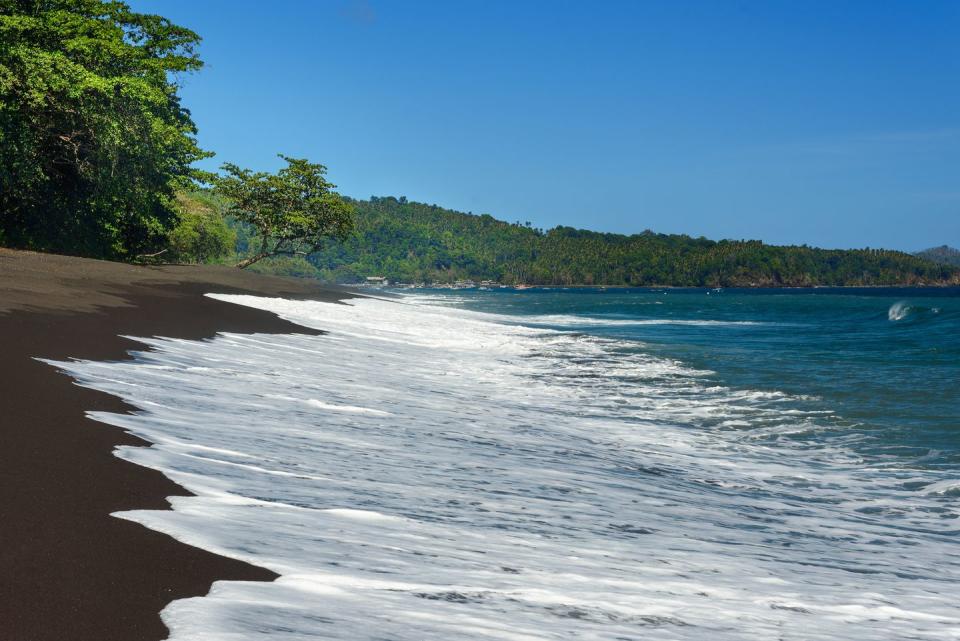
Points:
(404, 241)
(646, 288)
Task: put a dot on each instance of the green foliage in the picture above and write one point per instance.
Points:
(415, 242)
(93, 139)
(290, 213)
(943, 255)
(296, 266)
(201, 235)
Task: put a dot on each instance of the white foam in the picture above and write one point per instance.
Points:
(571, 320)
(946, 487)
(426, 474)
(312, 402)
(898, 311)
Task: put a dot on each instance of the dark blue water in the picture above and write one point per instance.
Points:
(886, 361)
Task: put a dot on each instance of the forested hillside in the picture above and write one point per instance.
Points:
(415, 242)
(943, 254)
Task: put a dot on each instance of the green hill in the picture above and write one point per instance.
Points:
(415, 242)
(943, 255)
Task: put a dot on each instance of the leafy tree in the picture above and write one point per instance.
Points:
(93, 138)
(293, 211)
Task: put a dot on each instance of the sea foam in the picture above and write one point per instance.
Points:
(898, 311)
(423, 473)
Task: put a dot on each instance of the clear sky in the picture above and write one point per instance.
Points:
(830, 123)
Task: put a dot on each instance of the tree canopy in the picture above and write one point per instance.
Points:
(292, 211)
(93, 138)
(943, 254)
(202, 235)
(416, 242)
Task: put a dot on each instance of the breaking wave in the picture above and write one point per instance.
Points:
(421, 473)
(898, 311)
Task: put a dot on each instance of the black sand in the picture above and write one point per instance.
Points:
(68, 570)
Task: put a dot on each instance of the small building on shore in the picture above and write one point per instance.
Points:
(377, 281)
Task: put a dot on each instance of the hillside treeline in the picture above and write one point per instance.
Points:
(416, 242)
(943, 254)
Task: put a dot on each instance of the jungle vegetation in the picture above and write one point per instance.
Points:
(415, 242)
(94, 141)
(95, 146)
(943, 254)
(292, 212)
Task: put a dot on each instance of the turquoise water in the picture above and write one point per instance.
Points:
(884, 362)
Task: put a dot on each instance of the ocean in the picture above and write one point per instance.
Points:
(565, 464)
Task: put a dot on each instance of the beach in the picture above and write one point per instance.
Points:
(542, 465)
(641, 323)
(70, 570)
(478, 465)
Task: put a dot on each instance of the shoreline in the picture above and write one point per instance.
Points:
(934, 287)
(72, 571)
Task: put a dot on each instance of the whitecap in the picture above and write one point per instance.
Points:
(469, 476)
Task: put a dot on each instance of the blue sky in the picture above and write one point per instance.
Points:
(835, 123)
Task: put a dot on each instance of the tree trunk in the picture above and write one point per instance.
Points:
(246, 262)
(260, 255)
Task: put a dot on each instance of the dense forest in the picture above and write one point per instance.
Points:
(97, 152)
(94, 141)
(944, 255)
(415, 242)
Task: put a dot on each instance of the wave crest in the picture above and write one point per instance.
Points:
(898, 311)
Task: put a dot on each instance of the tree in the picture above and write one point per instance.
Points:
(202, 235)
(93, 138)
(293, 210)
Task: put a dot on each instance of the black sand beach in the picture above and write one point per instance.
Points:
(70, 571)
